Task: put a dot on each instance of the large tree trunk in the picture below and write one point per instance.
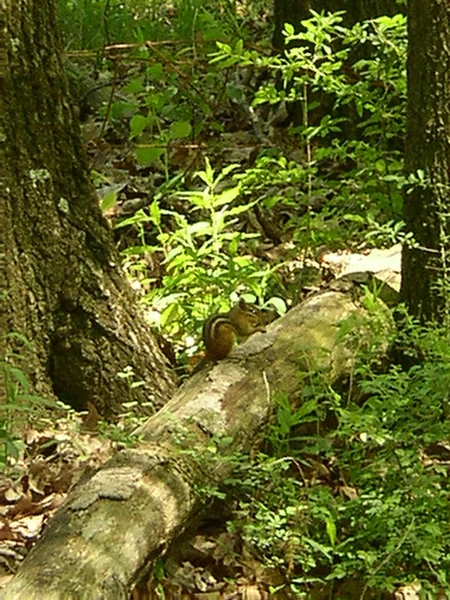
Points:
(425, 273)
(131, 510)
(66, 292)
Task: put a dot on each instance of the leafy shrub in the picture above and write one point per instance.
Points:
(368, 499)
(19, 403)
(353, 153)
(95, 23)
(205, 262)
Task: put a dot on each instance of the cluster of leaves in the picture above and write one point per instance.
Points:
(19, 403)
(354, 150)
(349, 86)
(204, 261)
(96, 23)
(366, 499)
(348, 184)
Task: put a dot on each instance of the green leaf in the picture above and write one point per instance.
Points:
(279, 304)
(227, 196)
(18, 336)
(208, 174)
(331, 530)
(239, 46)
(134, 86)
(325, 550)
(235, 92)
(180, 129)
(354, 218)
(20, 377)
(139, 217)
(200, 228)
(109, 200)
(380, 166)
(158, 569)
(306, 408)
(146, 155)
(35, 399)
(12, 449)
(137, 125)
(288, 28)
(155, 72)
(155, 213)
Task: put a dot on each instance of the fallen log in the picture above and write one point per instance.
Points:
(129, 511)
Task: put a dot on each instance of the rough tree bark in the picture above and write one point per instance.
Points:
(425, 268)
(2, 213)
(65, 289)
(130, 511)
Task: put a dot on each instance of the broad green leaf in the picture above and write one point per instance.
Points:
(200, 228)
(307, 407)
(137, 125)
(380, 166)
(146, 155)
(289, 29)
(134, 86)
(155, 72)
(180, 129)
(227, 196)
(279, 304)
(235, 92)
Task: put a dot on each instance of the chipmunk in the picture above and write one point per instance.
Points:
(220, 331)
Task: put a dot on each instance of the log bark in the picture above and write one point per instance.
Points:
(130, 510)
